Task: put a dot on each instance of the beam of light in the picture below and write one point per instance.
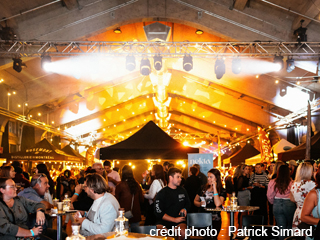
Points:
(85, 127)
(254, 66)
(83, 111)
(88, 68)
(294, 100)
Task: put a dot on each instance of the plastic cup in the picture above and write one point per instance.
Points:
(60, 206)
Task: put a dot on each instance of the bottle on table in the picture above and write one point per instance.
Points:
(75, 233)
(66, 203)
(234, 200)
(121, 224)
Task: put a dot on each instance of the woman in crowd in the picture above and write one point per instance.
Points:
(229, 183)
(8, 172)
(14, 212)
(276, 168)
(158, 183)
(20, 180)
(279, 194)
(310, 212)
(129, 195)
(42, 168)
(68, 184)
(236, 175)
(243, 186)
(212, 195)
(300, 188)
(243, 190)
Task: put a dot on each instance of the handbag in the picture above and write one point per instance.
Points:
(128, 214)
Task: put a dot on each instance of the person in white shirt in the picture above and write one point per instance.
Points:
(104, 210)
(158, 183)
(113, 176)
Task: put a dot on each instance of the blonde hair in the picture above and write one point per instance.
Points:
(276, 167)
(304, 172)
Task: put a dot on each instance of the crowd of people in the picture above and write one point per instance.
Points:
(286, 194)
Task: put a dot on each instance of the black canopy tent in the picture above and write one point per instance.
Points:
(69, 150)
(299, 152)
(247, 151)
(41, 151)
(150, 142)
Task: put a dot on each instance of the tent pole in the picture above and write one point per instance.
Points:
(219, 151)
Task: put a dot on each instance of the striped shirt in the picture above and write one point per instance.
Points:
(262, 178)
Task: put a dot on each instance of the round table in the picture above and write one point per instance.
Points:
(232, 210)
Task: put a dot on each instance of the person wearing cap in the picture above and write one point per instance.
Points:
(293, 168)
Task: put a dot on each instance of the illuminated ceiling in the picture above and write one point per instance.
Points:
(112, 103)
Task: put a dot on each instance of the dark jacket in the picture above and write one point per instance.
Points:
(124, 198)
(192, 185)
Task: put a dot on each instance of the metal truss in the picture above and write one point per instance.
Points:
(306, 50)
(289, 119)
(187, 136)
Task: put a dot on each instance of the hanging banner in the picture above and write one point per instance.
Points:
(265, 146)
(205, 160)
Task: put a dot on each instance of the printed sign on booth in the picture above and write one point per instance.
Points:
(205, 160)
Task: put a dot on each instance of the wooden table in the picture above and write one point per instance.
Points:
(232, 210)
(111, 235)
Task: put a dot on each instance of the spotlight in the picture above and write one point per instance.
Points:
(187, 63)
(145, 67)
(219, 68)
(130, 63)
(290, 65)
(157, 61)
(301, 33)
(18, 64)
(278, 60)
(199, 32)
(117, 30)
(44, 61)
(283, 90)
(236, 65)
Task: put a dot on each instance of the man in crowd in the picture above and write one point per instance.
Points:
(104, 210)
(113, 176)
(171, 204)
(98, 168)
(38, 187)
(293, 168)
(259, 183)
(200, 175)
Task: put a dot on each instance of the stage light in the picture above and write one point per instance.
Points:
(290, 65)
(283, 90)
(44, 61)
(187, 63)
(130, 63)
(199, 32)
(157, 62)
(279, 61)
(236, 65)
(18, 64)
(219, 68)
(145, 67)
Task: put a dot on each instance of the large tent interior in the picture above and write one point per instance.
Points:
(184, 75)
